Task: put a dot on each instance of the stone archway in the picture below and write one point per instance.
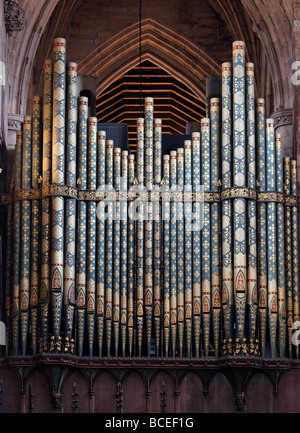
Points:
(21, 50)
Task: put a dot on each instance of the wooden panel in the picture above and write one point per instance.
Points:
(41, 400)
(105, 390)
(288, 400)
(220, 398)
(134, 393)
(10, 387)
(260, 385)
(191, 394)
(162, 392)
(188, 399)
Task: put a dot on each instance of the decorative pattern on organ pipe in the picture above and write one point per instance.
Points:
(166, 256)
(91, 232)
(101, 244)
(180, 251)
(148, 291)
(173, 252)
(70, 217)
(25, 233)
(295, 248)
(261, 223)
(116, 251)
(123, 250)
(196, 236)
(252, 230)
(206, 231)
(227, 250)
(288, 254)
(157, 233)
(188, 252)
(109, 249)
(131, 260)
(46, 203)
(215, 124)
(58, 178)
(280, 252)
(81, 227)
(239, 180)
(140, 237)
(271, 235)
(35, 218)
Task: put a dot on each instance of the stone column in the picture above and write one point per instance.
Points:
(14, 124)
(283, 120)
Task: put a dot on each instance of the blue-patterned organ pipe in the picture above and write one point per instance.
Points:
(35, 218)
(149, 123)
(239, 180)
(215, 124)
(123, 249)
(116, 251)
(261, 223)
(91, 232)
(271, 235)
(109, 248)
(206, 239)
(17, 247)
(130, 259)
(288, 255)
(166, 254)
(252, 231)
(140, 236)
(173, 252)
(295, 250)
(25, 233)
(180, 250)
(100, 253)
(280, 252)
(148, 290)
(188, 252)
(227, 250)
(70, 214)
(157, 233)
(58, 178)
(46, 203)
(196, 239)
(81, 220)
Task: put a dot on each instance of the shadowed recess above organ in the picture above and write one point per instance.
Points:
(176, 103)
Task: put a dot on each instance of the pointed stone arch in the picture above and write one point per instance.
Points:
(22, 48)
(174, 53)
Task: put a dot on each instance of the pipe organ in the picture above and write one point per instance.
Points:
(193, 253)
